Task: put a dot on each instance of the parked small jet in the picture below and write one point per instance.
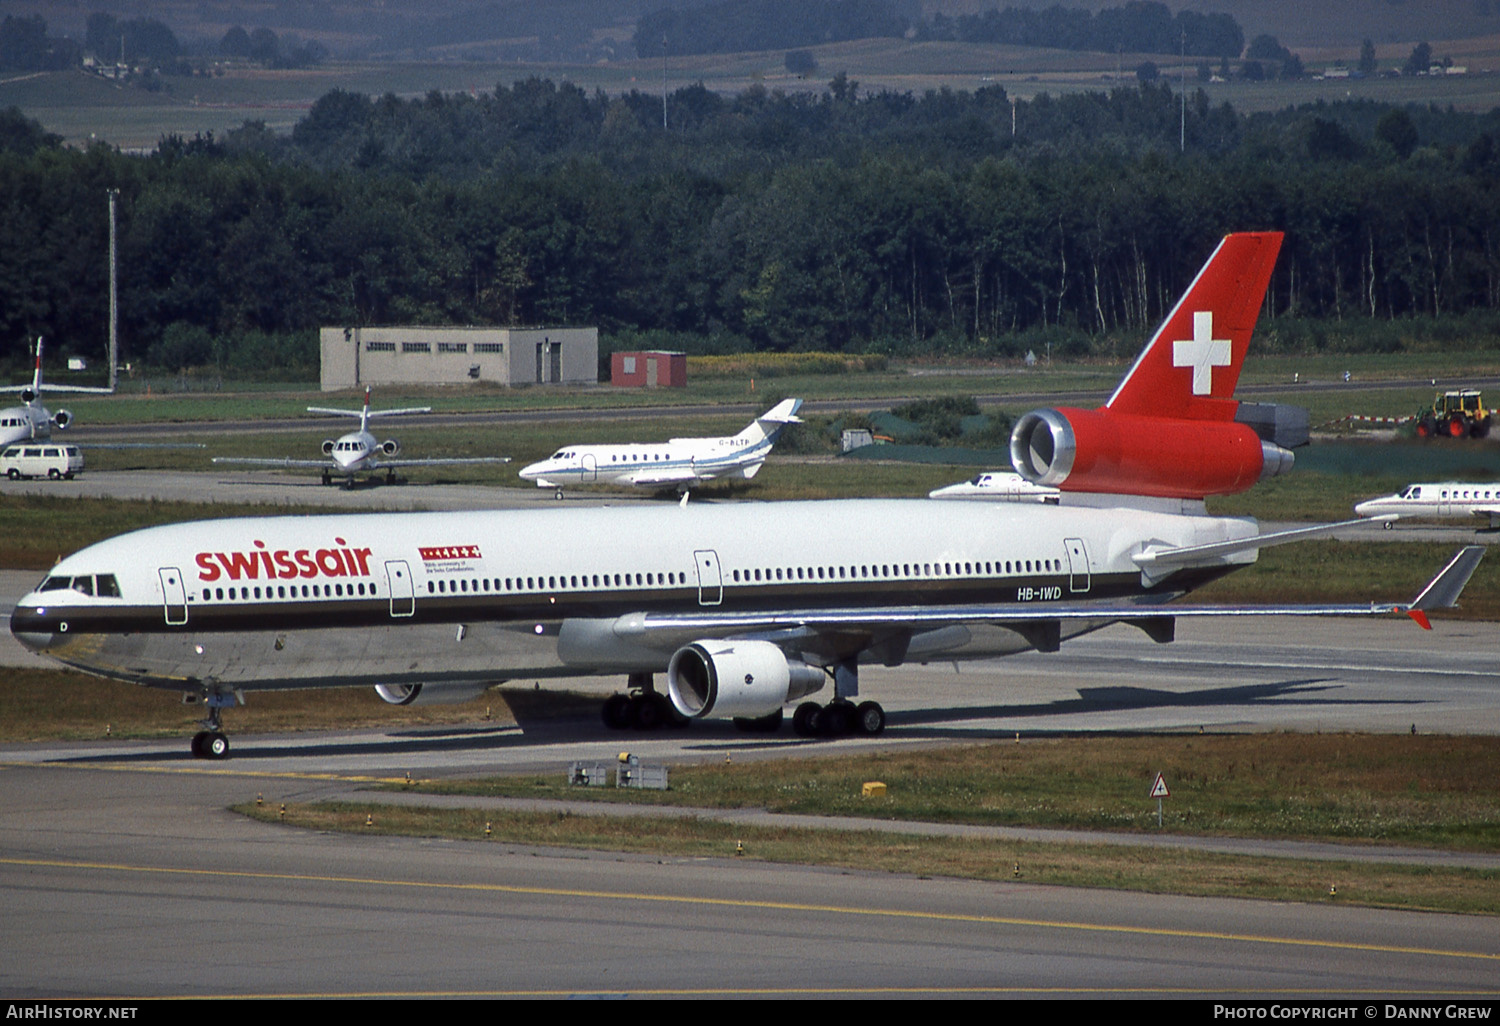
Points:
(681, 462)
(358, 452)
(997, 486)
(1443, 499)
(33, 422)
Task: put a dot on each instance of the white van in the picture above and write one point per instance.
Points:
(44, 460)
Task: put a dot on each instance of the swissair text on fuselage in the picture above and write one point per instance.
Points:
(283, 564)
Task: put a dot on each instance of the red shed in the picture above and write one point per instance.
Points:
(648, 369)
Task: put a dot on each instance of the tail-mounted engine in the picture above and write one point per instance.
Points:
(428, 694)
(61, 419)
(1103, 451)
(328, 444)
(737, 678)
(390, 447)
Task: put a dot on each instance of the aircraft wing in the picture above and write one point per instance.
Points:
(647, 479)
(250, 461)
(440, 462)
(1039, 623)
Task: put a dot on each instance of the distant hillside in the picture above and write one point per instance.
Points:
(602, 29)
(1325, 23)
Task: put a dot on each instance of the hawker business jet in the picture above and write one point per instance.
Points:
(32, 421)
(997, 486)
(1443, 499)
(745, 608)
(359, 452)
(679, 463)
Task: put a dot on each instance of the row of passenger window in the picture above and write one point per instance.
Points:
(574, 582)
(566, 582)
(882, 571)
(244, 593)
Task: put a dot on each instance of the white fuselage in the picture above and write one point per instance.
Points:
(1439, 499)
(680, 461)
(455, 597)
(31, 422)
(998, 486)
(354, 452)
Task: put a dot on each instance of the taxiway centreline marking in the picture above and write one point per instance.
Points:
(781, 906)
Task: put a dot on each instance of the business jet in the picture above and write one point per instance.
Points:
(359, 452)
(745, 607)
(32, 421)
(1443, 499)
(997, 486)
(680, 463)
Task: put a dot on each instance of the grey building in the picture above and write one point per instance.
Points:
(416, 355)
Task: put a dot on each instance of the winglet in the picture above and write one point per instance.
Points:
(1443, 590)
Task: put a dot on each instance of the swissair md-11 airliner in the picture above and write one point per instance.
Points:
(745, 607)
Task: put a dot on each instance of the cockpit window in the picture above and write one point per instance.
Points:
(107, 586)
(56, 584)
(83, 585)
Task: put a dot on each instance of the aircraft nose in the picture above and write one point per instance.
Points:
(533, 471)
(33, 627)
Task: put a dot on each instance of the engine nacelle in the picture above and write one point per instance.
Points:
(737, 678)
(1102, 451)
(28, 394)
(428, 694)
(390, 447)
(328, 444)
(61, 419)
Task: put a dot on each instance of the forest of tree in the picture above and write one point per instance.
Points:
(878, 222)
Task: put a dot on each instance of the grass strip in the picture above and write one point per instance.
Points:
(1432, 791)
(1149, 870)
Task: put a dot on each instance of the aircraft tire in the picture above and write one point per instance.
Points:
(616, 712)
(807, 721)
(216, 746)
(869, 719)
(838, 719)
(646, 712)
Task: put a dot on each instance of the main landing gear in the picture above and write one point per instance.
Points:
(211, 742)
(838, 718)
(644, 708)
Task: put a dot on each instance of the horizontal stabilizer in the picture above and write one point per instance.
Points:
(1193, 553)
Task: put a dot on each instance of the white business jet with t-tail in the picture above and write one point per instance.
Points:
(997, 486)
(32, 421)
(679, 463)
(746, 608)
(359, 452)
(1442, 499)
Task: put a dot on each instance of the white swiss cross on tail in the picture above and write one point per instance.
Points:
(1202, 352)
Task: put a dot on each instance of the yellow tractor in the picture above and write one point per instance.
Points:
(1458, 414)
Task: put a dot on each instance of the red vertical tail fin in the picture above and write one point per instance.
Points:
(1191, 366)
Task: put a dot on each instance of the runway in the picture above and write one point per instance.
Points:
(130, 885)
